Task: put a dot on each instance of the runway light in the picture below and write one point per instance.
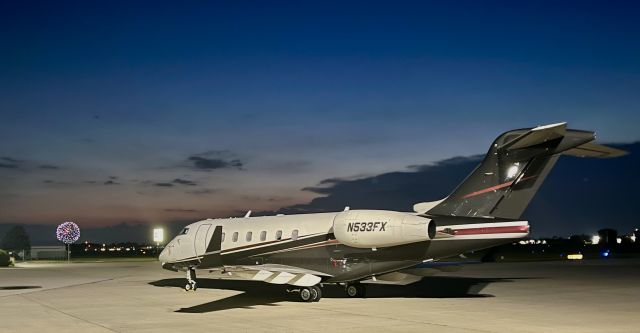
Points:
(595, 239)
(575, 256)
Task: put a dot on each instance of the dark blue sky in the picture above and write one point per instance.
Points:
(154, 111)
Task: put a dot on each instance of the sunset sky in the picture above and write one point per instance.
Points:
(141, 111)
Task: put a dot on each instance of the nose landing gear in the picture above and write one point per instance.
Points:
(191, 280)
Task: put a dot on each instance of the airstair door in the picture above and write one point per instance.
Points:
(200, 242)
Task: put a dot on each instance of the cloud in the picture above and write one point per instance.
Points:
(111, 182)
(214, 160)
(10, 163)
(25, 165)
(10, 159)
(184, 182)
(208, 164)
(178, 210)
(176, 181)
(205, 191)
(48, 167)
(54, 182)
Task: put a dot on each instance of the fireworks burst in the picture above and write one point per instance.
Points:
(68, 232)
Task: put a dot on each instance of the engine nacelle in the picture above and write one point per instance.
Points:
(381, 228)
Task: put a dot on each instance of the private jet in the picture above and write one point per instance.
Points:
(357, 247)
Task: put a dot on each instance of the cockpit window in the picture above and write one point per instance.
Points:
(184, 231)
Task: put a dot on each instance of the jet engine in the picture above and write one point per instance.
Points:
(380, 228)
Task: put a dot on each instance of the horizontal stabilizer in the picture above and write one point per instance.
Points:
(591, 149)
(536, 136)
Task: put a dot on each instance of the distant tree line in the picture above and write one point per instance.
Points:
(16, 239)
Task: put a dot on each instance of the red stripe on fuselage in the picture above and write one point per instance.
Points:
(492, 230)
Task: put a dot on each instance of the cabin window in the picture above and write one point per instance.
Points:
(249, 235)
(184, 231)
(279, 235)
(235, 236)
(294, 234)
(263, 236)
(222, 237)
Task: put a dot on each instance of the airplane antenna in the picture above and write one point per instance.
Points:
(248, 214)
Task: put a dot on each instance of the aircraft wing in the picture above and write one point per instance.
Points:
(416, 273)
(275, 274)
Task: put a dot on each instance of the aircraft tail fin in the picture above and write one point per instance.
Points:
(515, 166)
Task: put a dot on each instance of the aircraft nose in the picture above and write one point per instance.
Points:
(164, 255)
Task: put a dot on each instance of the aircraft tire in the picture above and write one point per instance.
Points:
(355, 290)
(318, 293)
(307, 294)
(190, 286)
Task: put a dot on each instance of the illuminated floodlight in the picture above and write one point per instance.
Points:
(595, 239)
(618, 240)
(158, 235)
(575, 256)
(633, 238)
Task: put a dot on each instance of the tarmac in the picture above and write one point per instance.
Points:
(560, 296)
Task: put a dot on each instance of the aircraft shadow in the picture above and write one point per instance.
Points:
(19, 287)
(260, 293)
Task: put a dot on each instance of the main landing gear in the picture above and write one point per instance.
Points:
(191, 280)
(355, 290)
(310, 294)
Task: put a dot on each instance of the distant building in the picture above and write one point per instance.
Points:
(608, 238)
(48, 252)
